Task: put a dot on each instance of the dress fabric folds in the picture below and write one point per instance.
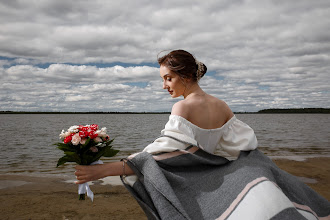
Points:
(186, 182)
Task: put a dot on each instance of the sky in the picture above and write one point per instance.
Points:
(61, 55)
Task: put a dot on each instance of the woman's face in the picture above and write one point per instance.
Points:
(172, 82)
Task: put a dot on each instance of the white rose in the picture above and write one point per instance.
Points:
(76, 139)
(68, 133)
(100, 133)
(62, 135)
(73, 129)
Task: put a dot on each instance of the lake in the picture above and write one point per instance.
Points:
(27, 139)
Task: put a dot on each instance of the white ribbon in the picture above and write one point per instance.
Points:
(84, 188)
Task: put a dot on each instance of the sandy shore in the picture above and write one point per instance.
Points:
(315, 172)
(25, 197)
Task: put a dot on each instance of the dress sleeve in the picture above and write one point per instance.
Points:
(237, 137)
(174, 128)
(175, 125)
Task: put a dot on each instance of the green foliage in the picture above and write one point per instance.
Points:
(296, 111)
(82, 153)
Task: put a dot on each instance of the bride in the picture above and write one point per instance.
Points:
(179, 177)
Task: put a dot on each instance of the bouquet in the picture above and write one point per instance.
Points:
(85, 145)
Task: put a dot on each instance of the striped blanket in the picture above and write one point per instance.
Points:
(189, 183)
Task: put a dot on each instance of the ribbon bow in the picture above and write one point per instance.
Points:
(84, 188)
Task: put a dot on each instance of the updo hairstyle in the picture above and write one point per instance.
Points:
(184, 64)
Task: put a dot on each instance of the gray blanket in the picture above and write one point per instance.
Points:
(193, 184)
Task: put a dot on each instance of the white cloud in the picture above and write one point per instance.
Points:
(263, 53)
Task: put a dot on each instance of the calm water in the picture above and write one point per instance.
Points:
(27, 139)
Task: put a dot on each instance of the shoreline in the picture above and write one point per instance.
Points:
(316, 110)
(31, 197)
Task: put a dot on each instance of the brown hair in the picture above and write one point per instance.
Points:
(182, 63)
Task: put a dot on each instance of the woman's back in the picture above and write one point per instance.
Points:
(205, 111)
(212, 124)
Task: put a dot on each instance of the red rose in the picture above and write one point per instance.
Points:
(92, 135)
(94, 127)
(83, 134)
(67, 139)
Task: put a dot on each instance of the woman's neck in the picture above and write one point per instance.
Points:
(192, 90)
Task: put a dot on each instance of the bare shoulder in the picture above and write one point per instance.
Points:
(180, 108)
(218, 102)
(205, 112)
(221, 106)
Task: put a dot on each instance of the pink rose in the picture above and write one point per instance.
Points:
(94, 149)
(98, 139)
(83, 140)
(76, 139)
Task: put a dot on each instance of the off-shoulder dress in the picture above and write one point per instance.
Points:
(234, 136)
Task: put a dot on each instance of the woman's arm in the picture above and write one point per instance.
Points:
(94, 172)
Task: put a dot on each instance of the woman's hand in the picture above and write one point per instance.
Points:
(89, 173)
(94, 172)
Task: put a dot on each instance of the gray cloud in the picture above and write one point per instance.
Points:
(260, 54)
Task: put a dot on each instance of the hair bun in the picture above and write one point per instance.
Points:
(201, 69)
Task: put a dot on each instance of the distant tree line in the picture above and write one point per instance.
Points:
(42, 112)
(297, 110)
(264, 111)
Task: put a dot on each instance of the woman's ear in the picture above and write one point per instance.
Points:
(187, 80)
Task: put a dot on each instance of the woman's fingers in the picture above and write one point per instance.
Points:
(89, 173)
(81, 175)
(79, 172)
(80, 182)
(82, 179)
(84, 174)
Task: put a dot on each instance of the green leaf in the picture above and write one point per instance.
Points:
(64, 159)
(60, 144)
(98, 155)
(89, 159)
(66, 148)
(109, 142)
(109, 152)
(86, 159)
(71, 154)
(69, 157)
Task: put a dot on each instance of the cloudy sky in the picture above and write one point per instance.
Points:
(101, 55)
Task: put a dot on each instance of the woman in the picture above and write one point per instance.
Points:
(179, 177)
(181, 72)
